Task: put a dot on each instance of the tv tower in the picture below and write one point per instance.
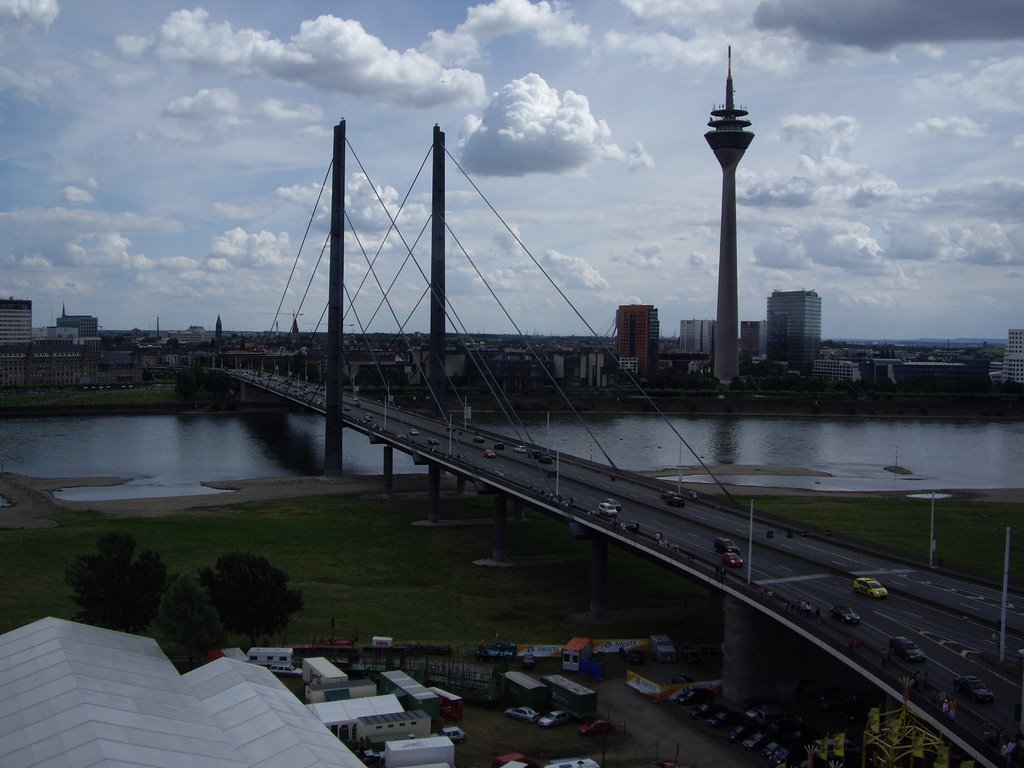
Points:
(729, 140)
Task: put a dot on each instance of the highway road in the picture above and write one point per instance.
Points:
(954, 620)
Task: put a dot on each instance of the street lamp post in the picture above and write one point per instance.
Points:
(931, 534)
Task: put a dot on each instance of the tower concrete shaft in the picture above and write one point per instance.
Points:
(729, 140)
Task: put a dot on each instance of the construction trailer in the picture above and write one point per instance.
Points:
(569, 695)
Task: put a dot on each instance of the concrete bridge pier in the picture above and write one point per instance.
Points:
(598, 577)
(518, 511)
(499, 531)
(389, 468)
(434, 493)
(460, 485)
(762, 657)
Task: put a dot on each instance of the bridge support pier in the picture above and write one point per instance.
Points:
(517, 511)
(499, 535)
(598, 577)
(460, 485)
(764, 658)
(434, 494)
(389, 468)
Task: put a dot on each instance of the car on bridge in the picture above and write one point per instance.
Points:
(845, 614)
(732, 560)
(414, 432)
(489, 454)
(604, 509)
(520, 449)
(973, 687)
(723, 545)
(478, 438)
(432, 441)
(613, 503)
(673, 499)
(906, 649)
(865, 585)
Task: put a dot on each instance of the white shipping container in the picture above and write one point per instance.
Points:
(411, 752)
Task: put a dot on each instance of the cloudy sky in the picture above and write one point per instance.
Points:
(162, 161)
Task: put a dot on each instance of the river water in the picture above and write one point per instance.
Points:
(172, 454)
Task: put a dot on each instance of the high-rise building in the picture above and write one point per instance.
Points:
(15, 321)
(78, 326)
(729, 139)
(697, 336)
(638, 333)
(794, 329)
(1013, 356)
(752, 338)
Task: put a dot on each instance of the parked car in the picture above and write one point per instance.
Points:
(596, 728)
(973, 687)
(691, 696)
(906, 649)
(732, 560)
(723, 545)
(285, 670)
(457, 735)
(489, 454)
(554, 718)
(738, 732)
(606, 510)
(524, 714)
(756, 740)
(845, 614)
(870, 587)
(723, 718)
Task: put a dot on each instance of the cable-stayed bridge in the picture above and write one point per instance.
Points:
(774, 644)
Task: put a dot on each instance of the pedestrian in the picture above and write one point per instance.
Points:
(885, 659)
(817, 614)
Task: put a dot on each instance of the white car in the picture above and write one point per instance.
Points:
(607, 510)
(551, 719)
(457, 735)
(526, 714)
(613, 504)
(520, 449)
(414, 432)
(285, 670)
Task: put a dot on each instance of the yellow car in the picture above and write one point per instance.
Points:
(869, 587)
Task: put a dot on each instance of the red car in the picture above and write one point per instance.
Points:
(732, 560)
(489, 454)
(596, 728)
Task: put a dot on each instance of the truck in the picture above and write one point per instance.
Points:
(432, 750)
(662, 648)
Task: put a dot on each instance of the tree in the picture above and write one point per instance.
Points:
(188, 619)
(114, 589)
(250, 594)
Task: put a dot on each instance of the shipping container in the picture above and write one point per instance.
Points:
(526, 691)
(429, 751)
(412, 694)
(571, 696)
(449, 704)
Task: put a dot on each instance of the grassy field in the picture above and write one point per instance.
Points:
(970, 534)
(364, 566)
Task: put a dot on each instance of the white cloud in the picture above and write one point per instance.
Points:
(38, 12)
(960, 127)
(550, 23)
(571, 271)
(254, 250)
(638, 158)
(77, 195)
(332, 54)
(529, 128)
(219, 104)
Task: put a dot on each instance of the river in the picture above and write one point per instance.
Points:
(172, 454)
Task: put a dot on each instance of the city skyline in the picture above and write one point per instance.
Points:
(162, 161)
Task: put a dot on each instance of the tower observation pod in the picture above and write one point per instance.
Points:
(728, 139)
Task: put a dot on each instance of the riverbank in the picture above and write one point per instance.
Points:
(31, 503)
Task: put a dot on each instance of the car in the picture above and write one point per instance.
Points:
(499, 446)
(478, 439)
(674, 500)
(523, 714)
(738, 732)
(768, 749)
(756, 740)
(596, 728)
(544, 459)
(414, 432)
(606, 510)
(285, 670)
(723, 718)
(906, 649)
(520, 449)
(865, 585)
(973, 687)
(489, 454)
(732, 560)
(554, 718)
(613, 504)
(690, 696)
(457, 735)
(704, 710)
(845, 614)
(723, 545)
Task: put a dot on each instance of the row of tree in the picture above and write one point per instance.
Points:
(242, 594)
